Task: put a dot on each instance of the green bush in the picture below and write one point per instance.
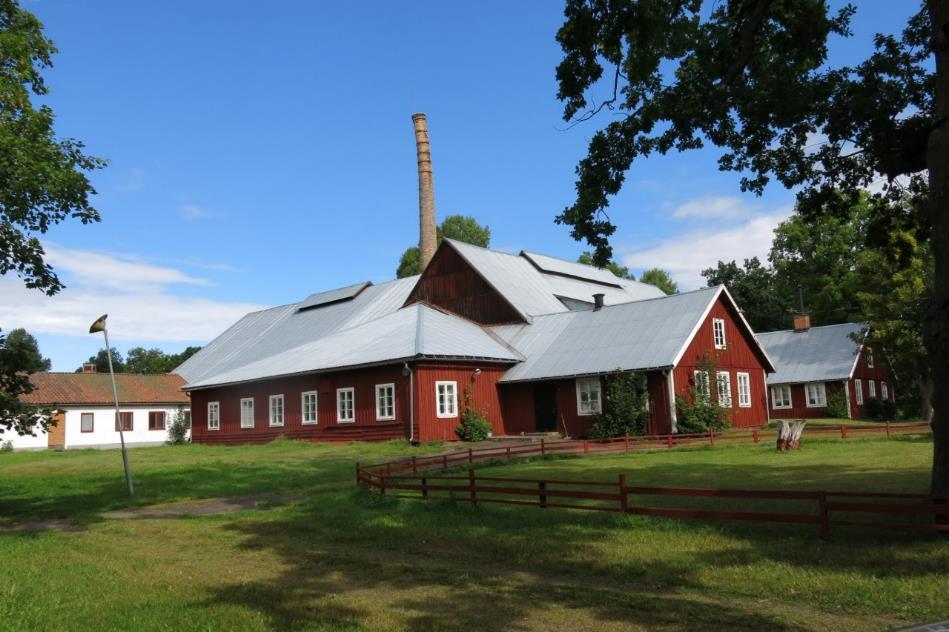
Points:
(698, 414)
(880, 409)
(6, 446)
(474, 426)
(836, 406)
(625, 409)
(180, 425)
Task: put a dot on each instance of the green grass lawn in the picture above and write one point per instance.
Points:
(347, 560)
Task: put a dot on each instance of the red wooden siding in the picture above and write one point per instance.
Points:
(326, 429)
(740, 356)
(660, 419)
(484, 397)
(799, 408)
(449, 282)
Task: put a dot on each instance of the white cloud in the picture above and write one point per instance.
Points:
(721, 207)
(194, 212)
(137, 296)
(687, 254)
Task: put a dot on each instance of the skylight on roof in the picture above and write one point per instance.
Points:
(331, 297)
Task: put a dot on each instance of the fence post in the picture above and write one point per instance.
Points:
(711, 438)
(626, 438)
(471, 487)
(824, 516)
(669, 441)
(508, 453)
(754, 435)
(541, 486)
(389, 468)
(382, 484)
(444, 461)
(470, 457)
(843, 431)
(887, 430)
(623, 501)
(424, 487)
(586, 447)
(542, 450)
(414, 468)
(357, 472)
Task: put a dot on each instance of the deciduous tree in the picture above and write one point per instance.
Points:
(458, 227)
(661, 279)
(754, 288)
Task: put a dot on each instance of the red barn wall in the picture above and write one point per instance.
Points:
(326, 428)
(449, 282)
(740, 355)
(799, 408)
(484, 396)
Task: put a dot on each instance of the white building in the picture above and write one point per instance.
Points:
(85, 410)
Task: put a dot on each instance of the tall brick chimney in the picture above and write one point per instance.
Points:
(427, 240)
(802, 320)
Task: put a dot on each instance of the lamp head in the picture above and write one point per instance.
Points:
(99, 325)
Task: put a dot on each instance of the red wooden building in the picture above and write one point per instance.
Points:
(526, 339)
(819, 363)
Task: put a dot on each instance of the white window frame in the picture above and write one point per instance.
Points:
(589, 385)
(858, 390)
(305, 419)
(247, 424)
(821, 401)
(386, 391)
(884, 391)
(869, 358)
(871, 389)
(82, 418)
(783, 389)
(214, 415)
(340, 417)
(450, 410)
(724, 394)
(744, 390)
(276, 399)
(718, 333)
(703, 385)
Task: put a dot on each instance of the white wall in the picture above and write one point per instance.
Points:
(104, 434)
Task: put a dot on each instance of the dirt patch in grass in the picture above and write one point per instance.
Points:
(208, 507)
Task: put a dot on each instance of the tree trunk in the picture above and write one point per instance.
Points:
(936, 330)
(925, 385)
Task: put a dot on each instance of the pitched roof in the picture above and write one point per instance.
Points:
(816, 355)
(52, 389)
(640, 335)
(532, 283)
(416, 331)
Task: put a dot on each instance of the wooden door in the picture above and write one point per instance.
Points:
(545, 407)
(57, 433)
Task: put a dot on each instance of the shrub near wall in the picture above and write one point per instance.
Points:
(625, 407)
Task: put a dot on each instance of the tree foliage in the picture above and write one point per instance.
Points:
(458, 227)
(625, 407)
(754, 288)
(154, 360)
(622, 272)
(24, 344)
(661, 279)
(15, 382)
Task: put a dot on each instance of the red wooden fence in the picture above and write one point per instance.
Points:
(829, 508)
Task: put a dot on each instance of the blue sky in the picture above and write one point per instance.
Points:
(261, 152)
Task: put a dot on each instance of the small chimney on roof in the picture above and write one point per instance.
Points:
(427, 239)
(598, 301)
(802, 320)
(88, 367)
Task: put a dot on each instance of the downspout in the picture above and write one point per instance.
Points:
(411, 373)
(846, 384)
(672, 400)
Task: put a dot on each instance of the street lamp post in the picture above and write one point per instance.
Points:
(98, 326)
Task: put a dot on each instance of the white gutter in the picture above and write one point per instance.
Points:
(767, 395)
(847, 395)
(672, 400)
(411, 402)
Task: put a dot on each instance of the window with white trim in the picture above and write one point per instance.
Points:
(87, 422)
(781, 396)
(446, 400)
(247, 412)
(214, 415)
(869, 358)
(385, 401)
(816, 395)
(276, 410)
(308, 407)
(884, 391)
(718, 332)
(858, 389)
(744, 390)
(589, 396)
(871, 389)
(345, 405)
(723, 380)
(702, 385)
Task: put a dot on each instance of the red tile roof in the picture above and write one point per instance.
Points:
(96, 389)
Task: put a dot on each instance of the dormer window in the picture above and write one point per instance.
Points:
(718, 332)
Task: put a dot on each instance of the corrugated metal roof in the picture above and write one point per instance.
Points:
(268, 332)
(571, 268)
(816, 355)
(333, 296)
(414, 331)
(638, 335)
(58, 389)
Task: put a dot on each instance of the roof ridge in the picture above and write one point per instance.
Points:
(782, 331)
(636, 302)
